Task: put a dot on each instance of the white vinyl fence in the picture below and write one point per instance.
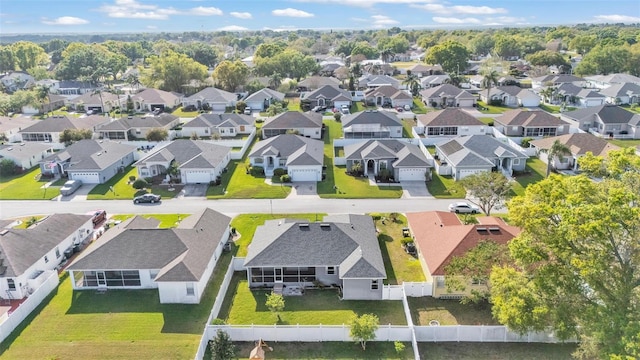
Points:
(474, 333)
(306, 333)
(8, 322)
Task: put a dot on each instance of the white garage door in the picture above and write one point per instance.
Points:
(411, 174)
(197, 176)
(304, 175)
(464, 173)
(86, 178)
(218, 107)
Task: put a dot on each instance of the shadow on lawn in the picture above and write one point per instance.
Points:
(384, 240)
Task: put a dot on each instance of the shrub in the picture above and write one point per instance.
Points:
(376, 216)
(495, 102)
(218, 321)
(256, 171)
(406, 240)
(259, 121)
(279, 172)
(490, 123)
(399, 346)
(7, 167)
(525, 142)
(434, 104)
(285, 178)
(132, 178)
(140, 184)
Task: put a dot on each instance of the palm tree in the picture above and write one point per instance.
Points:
(455, 79)
(413, 83)
(557, 150)
(134, 80)
(386, 54)
(42, 93)
(275, 80)
(547, 94)
(490, 78)
(99, 92)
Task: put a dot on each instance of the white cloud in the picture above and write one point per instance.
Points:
(292, 13)
(66, 20)
(460, 9)
(359, 19)
(151, 27)
(381, 20)
(367, 3)
(452, 20)
(617, 18)
(205, 11)
(233, 28)
(241, 15)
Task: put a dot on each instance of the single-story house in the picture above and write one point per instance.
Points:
(329, 96)
(449, 122)
(577, 96)
(447, 95)
(27, 154)
(137, 127)
(578, 143)
(262, 99)
(197, 161)
(74, 87)
(223, 124)
(307, 124)
(604, 81)
(387, 95)
(371, 124)
(10, 127)
(468, 155)
(49, 129)
(555, 80)
(151, 99)
(91, 161)
(17, 80)
(440, 236)
(27, 256)
(430, 81)
(328, 69)
(511, 96)
(301, 157)
(405, 161)
(136, 254)
(95, 102)
(315, 82)
(619, 94)
(422, 70)
(52, 103)
(342, 251)
(535, 123)
(605, 121)
(216, 99)
(370, 81)
(377, 68)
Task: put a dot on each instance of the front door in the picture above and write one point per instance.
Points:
(102, 281)
(278, 274)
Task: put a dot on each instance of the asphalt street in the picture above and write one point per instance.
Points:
(11, 209)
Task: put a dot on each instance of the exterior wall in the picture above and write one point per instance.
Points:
(107, 173)
(313, 133)
(200, 131)
(462, 130)
(256, 105)
(529, 101)
(395, 131)
(401, 102)
(519, 164)
(360, 289)
(460, 173)
(24, 163)
(466, 102)
(316, 168)
(176, 293)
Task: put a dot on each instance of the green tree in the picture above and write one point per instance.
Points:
(489, 79)
(29, 55)
(474, 267)
(488, 189)
(363, 328)
(455, 79)
(507, 46)
(557, 150)
(171, 71)
(222, 347)
(548, 58)
(231, 74)
(482, 44)
(140, 184)
(363, 48)
(603, 60)
(69, 136)
(413, 83)
(7, 60)
(7, 167)
(451, 55)
(203, 53)
(583, 43)
(577, 268)
(42, 93)
(157, 134)
(275, 304)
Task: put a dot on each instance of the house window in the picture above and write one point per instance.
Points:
(398, 131)
(12, 284)
(283, 162)
(57, 253)
(222, 131)
(231, 131)
(191, 290)
(138, 131)
(206, 131)
(440, 281)
(374, 284)
(516, 161)
(46, 259)
(153, 274)
(331, 270)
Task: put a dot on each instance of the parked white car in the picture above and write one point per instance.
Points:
(462, 207)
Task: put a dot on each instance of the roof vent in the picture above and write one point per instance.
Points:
(325, 226)
(98, 154)
(304, 226)
(494, 229)
(481, 229)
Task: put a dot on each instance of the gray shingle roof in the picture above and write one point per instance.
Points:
(21, 248)
(155, 96)
(294, 120)
(91, 155)
(56, 124)
(315, 82)
(347, 241)
(20, 122)
(383, 118)
(26, 150)
(181, 254)
(387, 91)
(189, 154)
(265, 94)
(136, 122)
(476, 150)
(624, 89)
(212, 94)
(216, 120)
(446, 90)
(608, 114)
(298, 150)
(404, 154)
(448, 117)
(329, 92)
(579, 143)
(529, 118)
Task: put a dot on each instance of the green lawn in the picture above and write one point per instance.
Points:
(490, 109)
(487, 120)
(240, 185)
(120, 324)
(449, 312)
(348, 187)
(294, 104)
(399, 265)
(496, 351)
(28, 186)
(358, 106)
(555, 109)
(404, 64)
(407, 125)
(185, 114)
(635, 109)
(317, 306)
(419, 107)
(536, 171)
(444, 187)
(624, 143)
(166, 220)
(246, 225)
(327, 350)
(122, 189)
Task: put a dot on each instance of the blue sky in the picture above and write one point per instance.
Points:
(107, 16)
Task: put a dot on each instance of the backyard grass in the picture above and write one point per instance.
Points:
(449, 312)
(404, 64)
(399, 265)
(293, 104)
(624, 143)
(536, 171)
(120, 324)
(407, 125)
(418, 106)
(246, 224)
(635, 109)
(338, 184)
(27, 186)
(486, 120)
(317, 306)
(166, 220)
(496, 351)
(555, 109)
(122, 189)
(358, 106)
(490, 109)
(185, 114)
(327, 350)
(445, 187)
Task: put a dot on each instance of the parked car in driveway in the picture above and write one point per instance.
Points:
(462, 207)
(146, 198)
(98, 217)
(70, 187)
(319, 108)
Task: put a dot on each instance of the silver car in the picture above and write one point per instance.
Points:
(462, 207)
(70, 187)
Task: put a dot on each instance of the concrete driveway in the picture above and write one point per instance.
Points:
(304, 190)
(194, 190)
(414, 189)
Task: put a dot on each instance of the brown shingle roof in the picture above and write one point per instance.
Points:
(448, 117)
(529, 118)
(579, 143)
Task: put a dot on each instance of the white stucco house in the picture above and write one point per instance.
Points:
(225, 125)
(449, 122)
(511, 96)
(301, 157)
(371, 124)
(262, 99)
(25, 155)
(405, 161)
(136, 254)
(216, 99)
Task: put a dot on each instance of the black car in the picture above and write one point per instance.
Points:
(146, 198)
